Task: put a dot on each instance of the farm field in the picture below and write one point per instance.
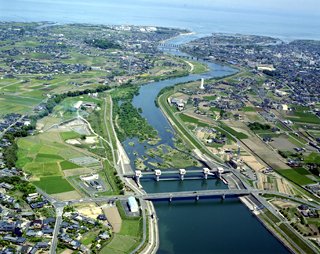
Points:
(128, 237)
(45, 156)
(53, 184)
(16, 104)
(297, 175)
(282, 143)
(22, 94)
(238, 135)
(304, 117)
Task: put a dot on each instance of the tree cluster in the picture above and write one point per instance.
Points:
(255, 126)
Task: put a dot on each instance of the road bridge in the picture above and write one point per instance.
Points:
(169, 45)
(223, 193)
(168, 195)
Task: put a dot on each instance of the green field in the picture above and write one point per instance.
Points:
(45, 156)
(189, 119)
(42, 157)
(68, 165)
(42, 169)
(69, 135)
(210, 98)
(313, 158)
(304, 117)
(16, 104)
(238, 135)
(53, 184)
(45, 147)
(296, 175)
(120, 244)
(22, 94)
(89, 237)
(248, 109)
(129, 236)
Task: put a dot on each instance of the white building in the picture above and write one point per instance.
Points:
(133, 205)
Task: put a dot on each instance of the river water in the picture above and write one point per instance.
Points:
(206, 226)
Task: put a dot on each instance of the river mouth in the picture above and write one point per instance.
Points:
(189, 226)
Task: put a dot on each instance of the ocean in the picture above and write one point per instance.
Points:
(203, 20)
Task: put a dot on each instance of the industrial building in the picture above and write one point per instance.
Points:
(133, 205)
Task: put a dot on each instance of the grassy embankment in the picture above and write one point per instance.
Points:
(284, 232)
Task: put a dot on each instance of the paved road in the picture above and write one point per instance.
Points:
(59, 212)
(190, 194)
(13, 124)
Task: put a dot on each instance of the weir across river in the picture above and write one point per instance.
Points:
(181, 173)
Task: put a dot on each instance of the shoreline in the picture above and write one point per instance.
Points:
(246, 202)
(285, 38)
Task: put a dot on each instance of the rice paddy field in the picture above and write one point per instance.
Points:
(23, 93)
(297, 175)
(54, 184)
(16, 104)
(45, 157)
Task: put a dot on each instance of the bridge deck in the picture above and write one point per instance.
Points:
(202, 193)
(194, 194)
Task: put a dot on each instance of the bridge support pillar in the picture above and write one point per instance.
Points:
(220, 170)
(197, 197)
(157, 173)
(138, 175)
(206, 171)
(182, 172)
(223, 196)
(170, 198)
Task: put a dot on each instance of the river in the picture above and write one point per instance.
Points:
(207, 226)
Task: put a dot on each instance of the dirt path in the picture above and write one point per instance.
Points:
(191, 65)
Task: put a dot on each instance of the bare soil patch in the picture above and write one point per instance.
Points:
(67, 195)
(113, 217)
